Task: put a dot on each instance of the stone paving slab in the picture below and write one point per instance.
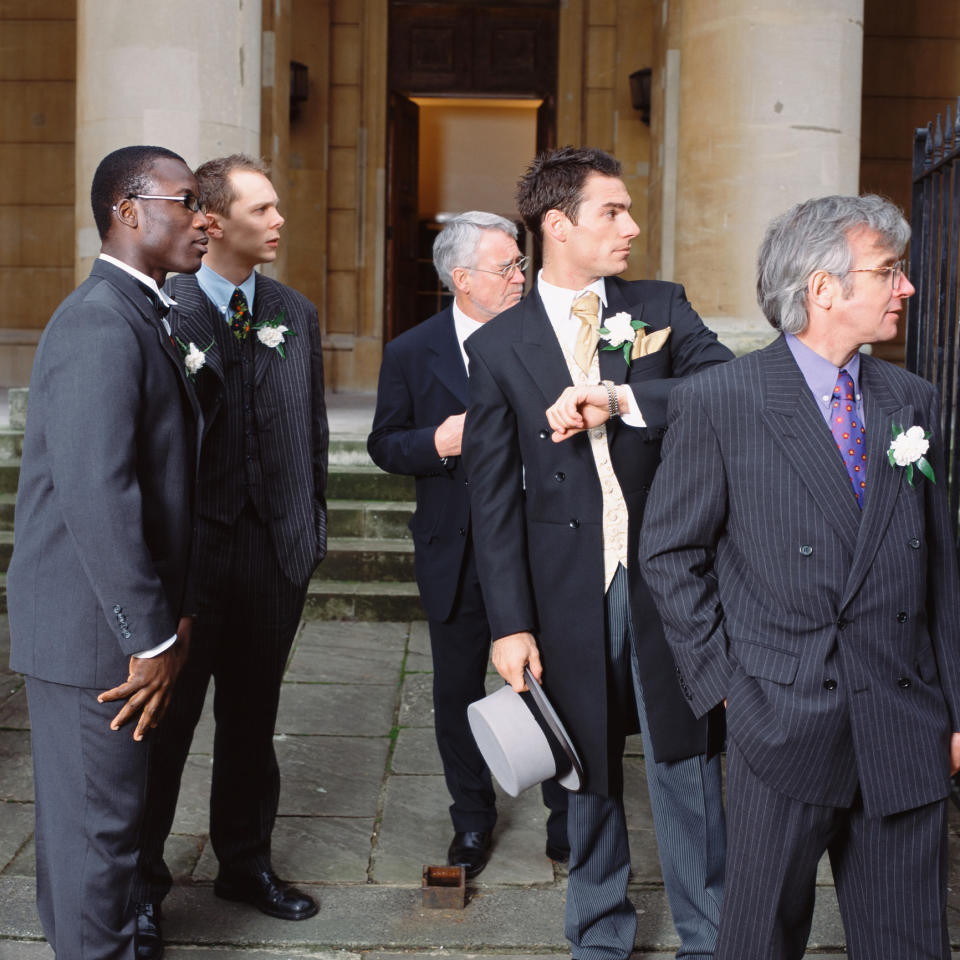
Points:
(16, 766)
(416, 752)
(338, 652)
(16, 831)
(416, 701)
(336, 709)
(13, 704)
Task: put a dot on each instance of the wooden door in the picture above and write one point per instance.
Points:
(403, 143)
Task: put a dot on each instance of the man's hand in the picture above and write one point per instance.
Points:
(514, 652)
(449, 435)
(580, 408)
(954, 753)
(150, 683)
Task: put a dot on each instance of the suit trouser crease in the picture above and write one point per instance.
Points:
(89, 790)
(248, 616)
(460, 649)
(686, 803)
(890, 875)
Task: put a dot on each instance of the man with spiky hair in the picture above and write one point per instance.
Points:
(556, 527)
(98, 585)
(254, 346)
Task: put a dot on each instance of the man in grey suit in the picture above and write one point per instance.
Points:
(556, 526)
(97, 586)
(261, 531)
(798, 544)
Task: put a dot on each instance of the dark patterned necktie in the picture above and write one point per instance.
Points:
(162, 308)
(849, 434)
(239, 315)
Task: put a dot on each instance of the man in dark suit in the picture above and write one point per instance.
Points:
(556, 528)
(803, 562)
(97, 586)
(261, 530)
(417, 430)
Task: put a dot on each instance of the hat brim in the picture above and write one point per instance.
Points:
(573, 778)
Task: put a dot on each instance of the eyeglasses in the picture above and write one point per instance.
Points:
(191, 202)
(895, 271)
(507, 271)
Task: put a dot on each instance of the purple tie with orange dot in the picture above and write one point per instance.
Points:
(849, 434)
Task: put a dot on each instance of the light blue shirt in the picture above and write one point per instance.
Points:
(821, 376)
(219, 290)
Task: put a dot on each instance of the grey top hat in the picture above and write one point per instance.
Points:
(522, 739)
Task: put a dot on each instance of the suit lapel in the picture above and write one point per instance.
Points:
(194, 320)
(267, 306)
(881, 408)
(612, 365)
(446, 360)
(796, 425)
(539, 350)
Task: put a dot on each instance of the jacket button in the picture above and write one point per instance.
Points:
(915, 543)
(466, 483)
(574, 523)
(559, 476)
(544, 434)
(805, 550)
(902, 616)
(117, 608)
(462, 532)
(903, 682)
(829, 684)
(842, 624)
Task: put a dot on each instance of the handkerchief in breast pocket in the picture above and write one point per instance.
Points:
(647, 343)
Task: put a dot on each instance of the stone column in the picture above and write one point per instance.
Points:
(177, 74)
(761, 110)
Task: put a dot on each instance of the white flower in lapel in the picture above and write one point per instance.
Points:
(620, 332)
(193, 357)
(272, 333)
(908, 449)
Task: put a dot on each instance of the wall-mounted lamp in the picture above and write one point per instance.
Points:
(299, 85)
(640, 92)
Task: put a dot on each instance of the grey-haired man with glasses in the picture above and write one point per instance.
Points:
(417, 430)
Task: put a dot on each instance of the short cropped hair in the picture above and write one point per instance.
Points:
(122, 174)
(213, 180)
(554, 181)
(456, 244)
(814, 235)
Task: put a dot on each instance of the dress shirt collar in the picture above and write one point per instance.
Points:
(464, 326)
(820, 374)
(557, 301)
(148, 282)
(219, 290)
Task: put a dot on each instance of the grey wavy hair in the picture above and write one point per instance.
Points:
(457, 242)
(812, 236)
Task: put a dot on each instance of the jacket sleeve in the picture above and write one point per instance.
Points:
(693, 347)
(493, 460)
(397, 443)
(682, 523)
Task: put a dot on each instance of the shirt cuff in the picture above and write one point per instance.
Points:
(157, 650)
(634, 418)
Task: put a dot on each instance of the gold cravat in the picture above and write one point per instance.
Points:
(586, 309)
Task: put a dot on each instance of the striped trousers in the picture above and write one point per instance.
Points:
(686, 801)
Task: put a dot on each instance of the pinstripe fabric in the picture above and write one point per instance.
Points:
(890, 875)
(251, 572)
(685, 798)
(833, 636)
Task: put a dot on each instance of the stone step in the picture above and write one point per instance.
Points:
(11, 444)
(361, 483)
(358, 518)
(9, 475)
(349, 451)
(355, 600)
(365, 559)
(7, 504)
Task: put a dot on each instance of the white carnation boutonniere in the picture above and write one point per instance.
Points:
(194, 357)
(619, 333)
(908, 449)
(273, 333)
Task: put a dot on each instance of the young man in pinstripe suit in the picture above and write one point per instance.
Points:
(261, 530)
(799, 547)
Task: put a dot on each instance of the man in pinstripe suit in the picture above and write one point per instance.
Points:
(261, 531)
(809, 581)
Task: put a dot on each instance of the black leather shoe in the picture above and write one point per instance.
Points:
(558, 854)
(147, 940)
(268, 893)
(470, 850)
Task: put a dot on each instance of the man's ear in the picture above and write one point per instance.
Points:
(822, 287)
(555, 225)
(461, 280)
(214, 225)
(126, 212)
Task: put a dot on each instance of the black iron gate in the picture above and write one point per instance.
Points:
(932, 317)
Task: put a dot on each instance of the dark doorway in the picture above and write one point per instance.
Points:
(453, 51)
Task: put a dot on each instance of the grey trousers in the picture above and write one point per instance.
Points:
(686, 801)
